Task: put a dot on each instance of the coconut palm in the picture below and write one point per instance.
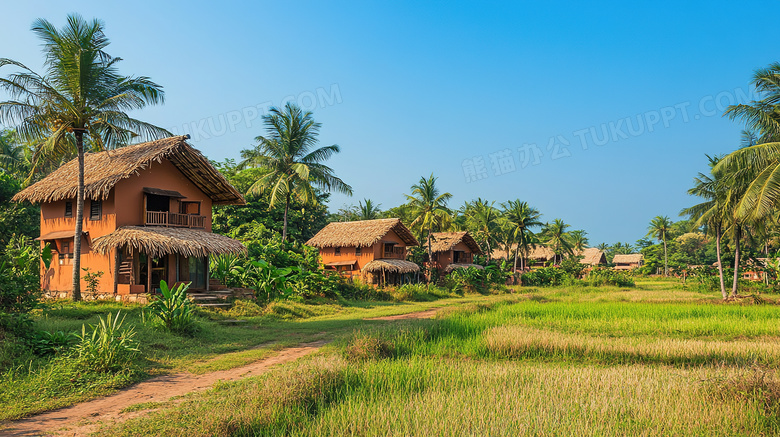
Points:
(659, 229)
(522, 217)
(428, 206)
(557, 239)
(579, 240)
(481, 216)
(368, 210)
(81, 100)
(291, 166)
(712, 211)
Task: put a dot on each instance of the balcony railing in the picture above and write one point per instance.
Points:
(172, 219)
(396, 253)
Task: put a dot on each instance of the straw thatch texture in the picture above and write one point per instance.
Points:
(592, 256)
(363, 233)
(159, 241)
(391, 266)
(452, 267)
(633, 258)
(103, 170)
(444, 241)
(540, 253)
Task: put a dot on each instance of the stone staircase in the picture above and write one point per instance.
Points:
(218, 295)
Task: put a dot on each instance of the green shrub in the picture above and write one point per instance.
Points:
(19, 277)
(173, 310)
(108, 347)
(92, 279)
(546, 276)
(418, 293)
(53, 343)
(605, 276)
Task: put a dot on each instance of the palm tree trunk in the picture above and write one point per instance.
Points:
(666, 262)
(79, 219)
(736, 261)
(720, 263)
(517, 250)
(766, 262)
(430, 255)
(284, 228)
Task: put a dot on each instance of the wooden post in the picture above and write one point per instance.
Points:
(132, 266)
(148, 273)
(116, 270)
(145, 213)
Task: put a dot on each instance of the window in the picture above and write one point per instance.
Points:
(95, 209)
(192, 208)
(68, 209)
(337, 251)
(358, 251)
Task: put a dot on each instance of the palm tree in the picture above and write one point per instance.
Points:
(290, 164)
(712, 211)
(429, 207)
(558, 238)
(579, 240)
(481, 217)
(522, 217)
(368, 211)
(659, 229)
(81, 98)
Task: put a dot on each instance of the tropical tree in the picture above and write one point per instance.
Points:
(711, 213)
(481, 217)
(291, 165)
(368, 210)
(80, 100)
(659, 229)
(428, 206)
(579, 240)
(557, 238)
(522, 218)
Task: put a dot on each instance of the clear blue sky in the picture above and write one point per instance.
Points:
(410, 88)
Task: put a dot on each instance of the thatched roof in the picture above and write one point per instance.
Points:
(452, 267)
(444, 241)
(592, 256)
(537, 253)
(363, 233)
(391, 266)
(633, 258)
(158, 241)
(103, 170)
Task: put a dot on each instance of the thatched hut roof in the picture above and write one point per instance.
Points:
(537, 253)
(159, 241)
(363, 233)
(391, 266)
(103, 170)
(633, 258)
(592, 256)
(452, 267)
(444, 241)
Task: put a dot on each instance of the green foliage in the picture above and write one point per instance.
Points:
(173, 310)
(573, 267)
(474, 280)
(16, 218)
(19, 276)
(545, 276)
(108, 347)
(53, 343)
(228, 268)
(600, 276)
(92, 279)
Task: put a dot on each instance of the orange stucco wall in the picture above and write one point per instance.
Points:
(328, 254)
(124, 207)
(446, 258)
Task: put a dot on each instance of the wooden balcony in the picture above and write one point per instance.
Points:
(172, 219)
(395, 253)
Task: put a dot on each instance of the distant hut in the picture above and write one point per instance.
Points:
(453, 250)
(374, 250)
(592, 256)
(628, 261)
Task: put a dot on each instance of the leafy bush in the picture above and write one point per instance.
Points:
(107, 347)
(173, 310)
(418, 293)
(605, 276)
(546, 276)
(53, 343)
(19, 277)
(92, 279)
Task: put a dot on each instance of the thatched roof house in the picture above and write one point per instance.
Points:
(592, 256)
(628, 261)
(103, 170)
(147, 217)
(372, 249)
(452, 250)
(445, 241)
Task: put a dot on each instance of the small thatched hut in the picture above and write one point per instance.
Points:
(374, 250)
(628, 261)
(592, 256)
(452, 250)
(147, 217)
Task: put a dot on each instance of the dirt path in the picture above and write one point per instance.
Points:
(87, 417)
(81, 419)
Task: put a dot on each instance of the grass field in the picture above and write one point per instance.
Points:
(655, 361)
